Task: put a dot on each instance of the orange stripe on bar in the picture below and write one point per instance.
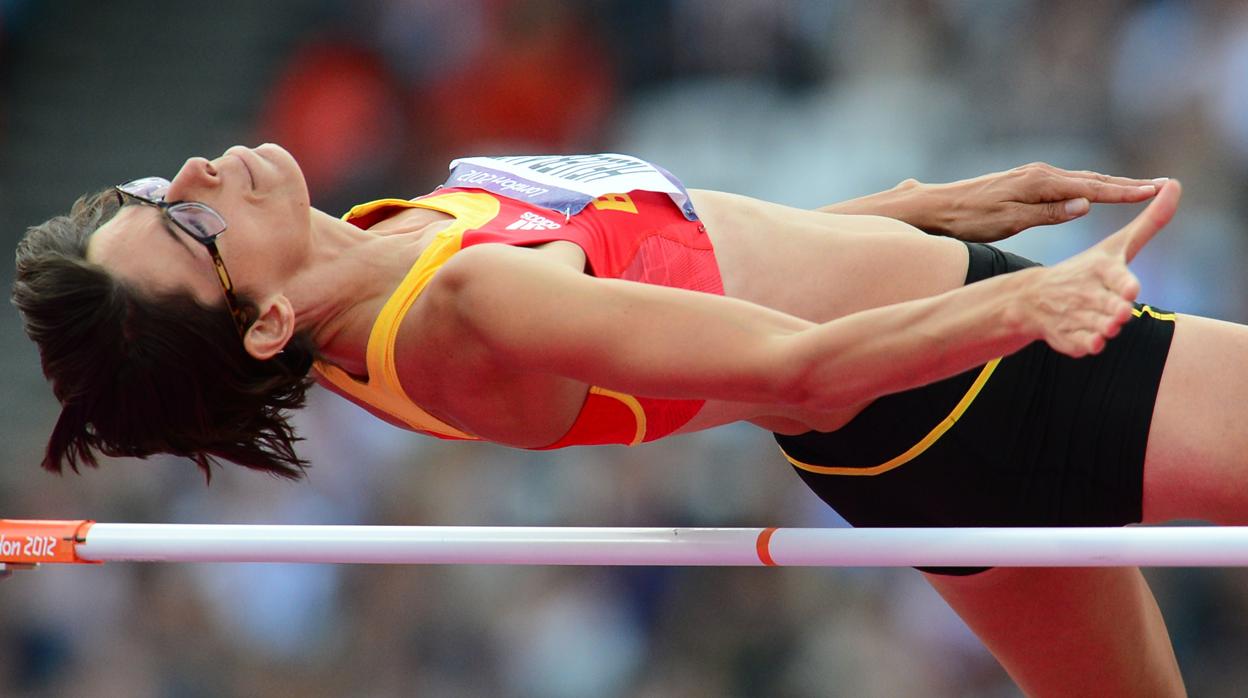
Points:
(34, 542)
(763, 546)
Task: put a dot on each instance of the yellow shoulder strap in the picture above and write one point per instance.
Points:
(384, 389)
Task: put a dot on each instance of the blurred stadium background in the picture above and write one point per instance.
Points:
(803, 102)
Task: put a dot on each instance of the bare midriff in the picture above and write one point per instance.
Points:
(818, 267)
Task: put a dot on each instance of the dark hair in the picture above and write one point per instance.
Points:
(138, 374)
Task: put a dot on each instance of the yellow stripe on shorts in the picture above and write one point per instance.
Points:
(1146, 310)
(914, 451)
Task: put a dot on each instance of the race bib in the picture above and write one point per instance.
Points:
(567, 183)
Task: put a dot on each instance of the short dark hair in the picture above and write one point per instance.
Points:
(139, 373)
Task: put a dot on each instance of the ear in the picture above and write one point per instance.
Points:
(271, 331)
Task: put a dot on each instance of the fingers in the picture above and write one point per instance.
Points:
(1091, 331)
(1120, 282)
(1101, 192)
(1092, 342)
(1049, 213)
(1098, 189)
(1107, 179)
(1080, 343)
(1052, 184)
(1118, 312)
(1131, 239)
(1107, 316)
(1051, 196)
(1097, 176)
(1089, 307)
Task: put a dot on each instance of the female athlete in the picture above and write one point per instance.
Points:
(538, 302)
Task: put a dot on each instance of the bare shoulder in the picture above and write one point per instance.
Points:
(446, 365)
(482, 278)
(489, 261)
(466, 287)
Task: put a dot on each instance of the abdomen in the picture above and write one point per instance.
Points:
(820, 266)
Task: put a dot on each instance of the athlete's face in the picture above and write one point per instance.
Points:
(261, 195)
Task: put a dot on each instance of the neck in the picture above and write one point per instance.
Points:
(349, 275)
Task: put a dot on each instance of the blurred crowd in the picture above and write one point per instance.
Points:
(803, 102)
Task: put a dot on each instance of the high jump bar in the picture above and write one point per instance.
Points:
(24, 543)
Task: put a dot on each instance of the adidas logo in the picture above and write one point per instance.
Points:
(532, 221)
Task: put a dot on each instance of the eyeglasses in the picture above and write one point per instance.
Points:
(195, 219)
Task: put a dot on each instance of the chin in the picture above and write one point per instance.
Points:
(276, 154)
(285, 162)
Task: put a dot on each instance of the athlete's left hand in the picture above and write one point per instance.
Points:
(995, 206)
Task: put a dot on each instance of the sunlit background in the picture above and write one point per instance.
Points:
(801, 102)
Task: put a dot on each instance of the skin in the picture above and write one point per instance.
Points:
(806, 337)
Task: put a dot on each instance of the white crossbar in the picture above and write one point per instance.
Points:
(1180, 546)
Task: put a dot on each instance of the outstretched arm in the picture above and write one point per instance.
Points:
(532, 314)
(995, 206)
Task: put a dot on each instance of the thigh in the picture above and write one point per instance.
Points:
(1196, 464)
(1069, 631)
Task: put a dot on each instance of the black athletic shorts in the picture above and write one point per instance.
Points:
(1034, 439)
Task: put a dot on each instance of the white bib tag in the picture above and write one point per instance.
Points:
(567, 183)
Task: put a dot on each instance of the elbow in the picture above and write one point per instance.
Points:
(795, 382)
(814, 380)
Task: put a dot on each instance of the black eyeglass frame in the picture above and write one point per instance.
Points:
(208, 240)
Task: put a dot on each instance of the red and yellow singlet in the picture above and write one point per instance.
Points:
(641, 236)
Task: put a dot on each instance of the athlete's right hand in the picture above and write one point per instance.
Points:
(1080, 304)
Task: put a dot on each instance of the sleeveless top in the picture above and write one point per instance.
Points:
(641, 236)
